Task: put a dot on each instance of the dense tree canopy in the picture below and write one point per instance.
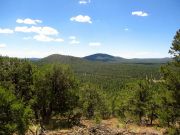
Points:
(94, 102)
(55, 91)
(14, 115)
(171, 74)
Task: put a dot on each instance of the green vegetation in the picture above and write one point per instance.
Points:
(46, 90)
(108, 76)
(14, 115)
(55, 92)
(94, 102)
(113, 59)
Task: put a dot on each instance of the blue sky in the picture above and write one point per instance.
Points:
(126, 28)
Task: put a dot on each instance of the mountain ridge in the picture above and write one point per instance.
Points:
(99, 57)
(110, 58)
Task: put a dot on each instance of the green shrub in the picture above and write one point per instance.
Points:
(14, 116)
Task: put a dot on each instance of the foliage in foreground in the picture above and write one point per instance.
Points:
(14, 115)
(55, 92)
(147, 100)
(94, 102)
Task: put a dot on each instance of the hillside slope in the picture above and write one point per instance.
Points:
(107, 75)
(109, 58)
(103, 57)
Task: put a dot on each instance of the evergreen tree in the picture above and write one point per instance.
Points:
(171, 73)
(14, 115)
(55, 91)
(17, 75)
(94, 102)
(140, 100)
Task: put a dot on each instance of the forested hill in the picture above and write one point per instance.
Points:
(57, 58)
(99, 57)
(103, 57)
(106, 74)
(110, 58)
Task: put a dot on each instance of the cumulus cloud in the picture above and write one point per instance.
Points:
(2, 45)
(45, 38)
(6, 31)
(84, 1)
(42, 33)
(28, 21)
(73, 40)
(139, 13)
(81, 18)
(39, 30)
(94, 44)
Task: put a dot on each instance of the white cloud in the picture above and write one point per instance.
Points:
(43, 33)
(94, 44)
(39, 30)
(6, 31)
(44, 38)
(28, 21)
(139, 13)
(72, 37)
(73, 40)
(84, 1)
(24, 29)
(58, 40)
(48, 31)
(81, 18)
(2, 45)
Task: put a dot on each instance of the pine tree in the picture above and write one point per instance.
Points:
(14, 115)
(55, 91)
(171, 73)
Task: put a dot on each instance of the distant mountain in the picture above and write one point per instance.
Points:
(57, 58)
(104, 70)
(33, 59)
(97, 58)
(102, 57)
(114, 59)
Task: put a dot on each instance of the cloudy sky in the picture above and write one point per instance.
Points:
(126, 28)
